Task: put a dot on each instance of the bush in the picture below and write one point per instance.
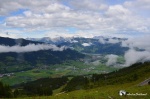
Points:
(5, 91)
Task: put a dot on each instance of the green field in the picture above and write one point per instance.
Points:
(67, 68)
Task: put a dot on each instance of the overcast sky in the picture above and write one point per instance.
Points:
(51, 18)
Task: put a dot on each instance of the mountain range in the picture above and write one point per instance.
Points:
(25, 59)
(95, 45)
(18, 55)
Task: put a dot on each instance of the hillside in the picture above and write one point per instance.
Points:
(101, 85)
(136, 72)
(88, 45)
(22, 61)
(17, 67)
(12, 42)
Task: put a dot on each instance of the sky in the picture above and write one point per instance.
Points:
(67, 18)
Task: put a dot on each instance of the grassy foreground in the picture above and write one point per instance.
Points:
(109, 88)
(97, 86)
(107, 92)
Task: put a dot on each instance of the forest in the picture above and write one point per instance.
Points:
(46, 86)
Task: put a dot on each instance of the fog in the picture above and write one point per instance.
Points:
(139, 50)
(112, 59)
(132, 56)
(30, 48)
(109, 41)
(86, 44)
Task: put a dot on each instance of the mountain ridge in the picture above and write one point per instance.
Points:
(95, 45)
(10, 61)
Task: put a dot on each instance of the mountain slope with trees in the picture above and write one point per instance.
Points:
(97, 85)
(137, 72)
(88, 45)
(15, 62)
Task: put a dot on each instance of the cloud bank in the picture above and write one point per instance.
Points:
(112, 59)
(86, 44)
(138, 42)
(29, 48)
(132, 56)
(96, 16)
(103, 40)
(139, 50)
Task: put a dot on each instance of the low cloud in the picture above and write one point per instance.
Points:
(102, 41)
(141, 43)
(87, 44)
(30, 48)
(132, 56)
(109, 41)
(139, 50)
(112, 59)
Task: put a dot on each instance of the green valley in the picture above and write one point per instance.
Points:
(94, 86)
(57, 70)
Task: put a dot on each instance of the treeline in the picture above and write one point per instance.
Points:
(77, 83)
(40, 87)
(125, 75)
(45, 86)
(5, 91)
(15, 62)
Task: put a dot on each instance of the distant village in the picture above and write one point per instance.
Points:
(7, 74)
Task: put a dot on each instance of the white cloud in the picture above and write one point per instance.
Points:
(87, 44)
(113, 41)
(122, 19)
(56, 7)
(103, 40)
(112, 59)
(28, 13)
(138, 42)
(138, 4)
(29, 48)
(88, 5)
(8, 6)
(117, 11)
(90, 15)
(132, 56)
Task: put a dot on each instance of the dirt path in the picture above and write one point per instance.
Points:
(145, 82)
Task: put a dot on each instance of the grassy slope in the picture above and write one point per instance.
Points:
(107, 92)
(111, 91)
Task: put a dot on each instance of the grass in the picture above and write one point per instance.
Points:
(111, 91)
(30, 75)
(106, 92)
(57, 70)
